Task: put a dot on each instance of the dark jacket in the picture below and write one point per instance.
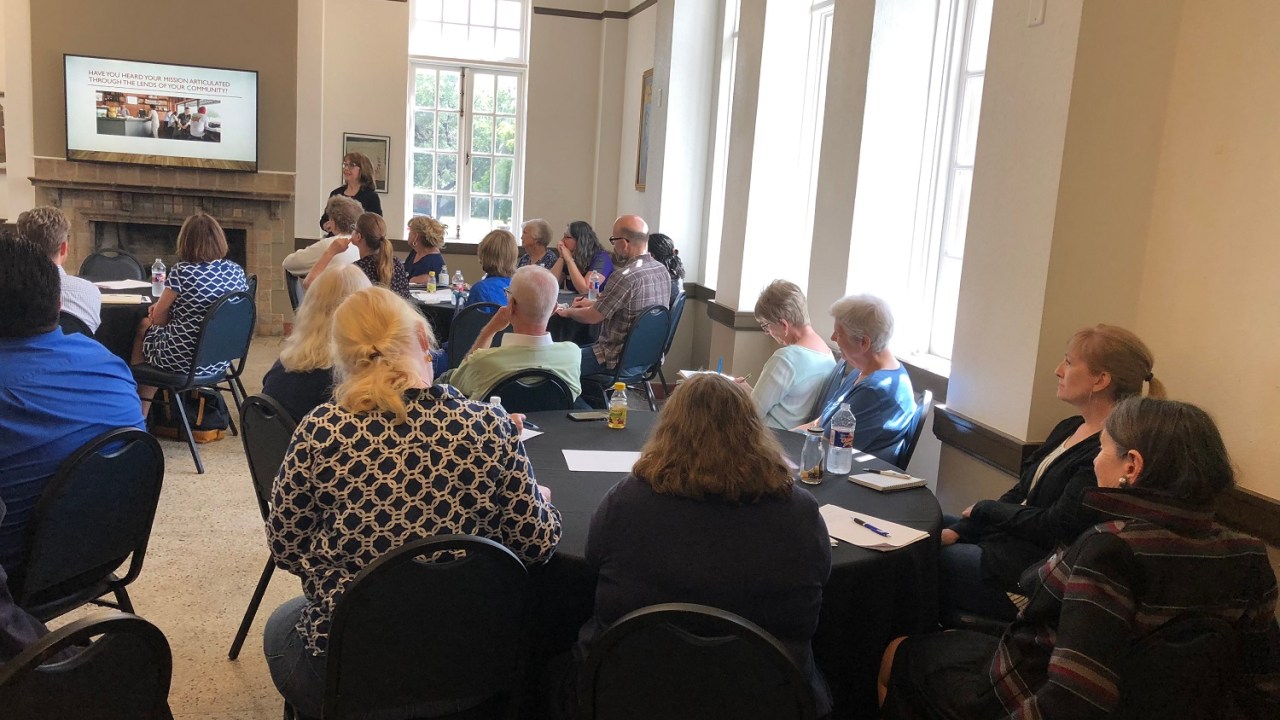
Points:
(367, 197)
(1014, 536)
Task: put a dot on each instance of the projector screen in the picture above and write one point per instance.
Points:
(124, 111)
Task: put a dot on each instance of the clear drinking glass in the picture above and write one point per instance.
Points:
(813, 457)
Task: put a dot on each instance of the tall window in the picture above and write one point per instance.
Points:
(815, 101)
(466, 134)
(720, 143)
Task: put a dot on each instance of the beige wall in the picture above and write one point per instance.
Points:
(641, 35)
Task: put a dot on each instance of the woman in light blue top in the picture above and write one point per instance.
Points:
(794, 375)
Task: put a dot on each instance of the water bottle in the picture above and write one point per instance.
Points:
(813, 457)
(618, 406)
(443, 282)
(593, 291)
(157, 278)
(840, 456)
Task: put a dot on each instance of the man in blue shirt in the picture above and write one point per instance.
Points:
(57, 392)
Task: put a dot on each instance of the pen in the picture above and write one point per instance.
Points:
(720, 365)
(531, 426)
(892, 474)
(870, 527)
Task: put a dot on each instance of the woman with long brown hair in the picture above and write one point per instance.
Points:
(377, 257)
(357, 184)
(710, 514)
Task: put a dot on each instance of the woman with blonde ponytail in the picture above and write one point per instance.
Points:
(377, 256)
(391, 459)
(986, 551)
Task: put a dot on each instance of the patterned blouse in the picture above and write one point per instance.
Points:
(354, 486)
(549, 258)
(172, 346)
(399, 278)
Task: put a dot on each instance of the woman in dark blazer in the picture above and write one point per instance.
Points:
(357, 184)
(985, 551)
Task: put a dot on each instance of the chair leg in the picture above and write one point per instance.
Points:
(648, 391)
(252, 610)
(122, 599)
(191, 440)
(665, 387)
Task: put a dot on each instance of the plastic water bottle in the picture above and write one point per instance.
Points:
(443, 282)
(496, 401)
(157, 278)
(618, 406)
(593, 291)
(840, 455)
(458, 281)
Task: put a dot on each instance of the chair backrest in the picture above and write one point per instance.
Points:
(1179, 672)
(677, 310)
(466, 327)
(111, 265)
(95, 513)
(680, 660)
(533, 390)
(251, 281)
(226, 332)
(923, 404)
(293, 284)
(265, 428)
(71, 324)
(645, 340)
(829, 387)
(124, 675)
(438, 619)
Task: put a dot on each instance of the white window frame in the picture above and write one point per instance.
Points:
(713, 225)
(526, 7)
(822, 17)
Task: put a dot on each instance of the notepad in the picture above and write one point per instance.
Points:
(600, 460)
(123, 284)
(439, 297)
(886, 483)
(526, 434)
(840, 525)
(125, 299)
(686, 374)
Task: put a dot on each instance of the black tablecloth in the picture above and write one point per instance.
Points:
(119, 327)
(871, 596)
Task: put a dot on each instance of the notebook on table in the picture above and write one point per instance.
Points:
(886, 483)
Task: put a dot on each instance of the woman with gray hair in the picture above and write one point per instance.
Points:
(792, 377)
(876, 387)
(535, 236)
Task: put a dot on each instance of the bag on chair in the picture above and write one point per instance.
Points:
(206, 411)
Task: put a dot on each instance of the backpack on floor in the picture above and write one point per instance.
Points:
(206, 411)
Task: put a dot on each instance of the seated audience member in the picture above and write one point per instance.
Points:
(1159, 556)
(57, 392)
(340, 213)
(167, 336)
(529, 346)
(876, 387)
(581, 255)
(303, 376)
(985, 554)
(426, 239)
(737, 486)
(793, 376)
(663, 249)
(346, 495)
(48, 229)
(497, 256)
(535, 236)
(641, 283)
(377, 257)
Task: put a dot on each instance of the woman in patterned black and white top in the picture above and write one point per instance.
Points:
(390, 445)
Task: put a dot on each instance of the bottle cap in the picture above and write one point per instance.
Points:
(495, 400)
(814, 431)
(619, 386)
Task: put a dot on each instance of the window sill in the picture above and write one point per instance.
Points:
(928, 372)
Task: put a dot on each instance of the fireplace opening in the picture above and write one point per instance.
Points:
(148, 241)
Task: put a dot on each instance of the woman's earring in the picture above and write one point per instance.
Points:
(1124, 481)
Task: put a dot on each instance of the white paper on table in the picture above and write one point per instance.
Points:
(124, 299)
(600, 460)
(526, 434)
(123, 284)
(439, 297)
(840, 525)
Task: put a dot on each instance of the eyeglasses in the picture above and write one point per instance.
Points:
(350, 165)
(615, 239)
(765, 325)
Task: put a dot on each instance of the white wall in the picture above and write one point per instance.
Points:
(641, 35)
(19, 123)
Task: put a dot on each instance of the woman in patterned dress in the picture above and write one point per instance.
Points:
(167, 336)
(389, 445)
(377, 256)
(535, 237)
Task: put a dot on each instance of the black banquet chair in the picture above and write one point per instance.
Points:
(95, 513)
(466, 327)
(265, 428)
(676, 312)
(71, 324)
(123, 675)
(293, 284)
(102, 265)
(531, 391)
(680, 661)
(924, 403)
(461, 606)
(224, 336)
(641, 350)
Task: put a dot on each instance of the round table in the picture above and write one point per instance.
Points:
(439, 311)
(870, 598)
(119, 324)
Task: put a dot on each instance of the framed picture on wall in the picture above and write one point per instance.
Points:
(642, 152)
(375, 147)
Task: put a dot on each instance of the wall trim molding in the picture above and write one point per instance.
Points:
(401, 246)
(1250, 512)
(731, 318)
(984, 443)
(588, 15)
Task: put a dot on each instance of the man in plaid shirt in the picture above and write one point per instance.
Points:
(639, 283)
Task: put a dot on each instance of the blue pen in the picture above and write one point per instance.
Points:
(870, 527)
(720, 365)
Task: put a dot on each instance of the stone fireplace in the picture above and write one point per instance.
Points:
(139, 209)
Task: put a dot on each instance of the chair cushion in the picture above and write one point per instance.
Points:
(148, 374)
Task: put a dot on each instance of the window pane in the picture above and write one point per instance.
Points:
(423, 164)
(507, 43)
(449, 83)
(447, 135)
(967, 139)
(507, 89)
(422, 204)
(424, 93)
(424, 36)
(479, 208)
(957, 213)
(447, 207)
(482, 92)
(481, 175)
(455, 11)
(502, 168)
(482, 12)
(481, 41)
(509, 14)
(427, 9)
(446, 172)
(980, 34)
(506, 137)
(453, 40)
(482, 134)
(943, 332)
(424, 129)
(502, 210)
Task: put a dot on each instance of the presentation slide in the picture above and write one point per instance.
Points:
(170, 115)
